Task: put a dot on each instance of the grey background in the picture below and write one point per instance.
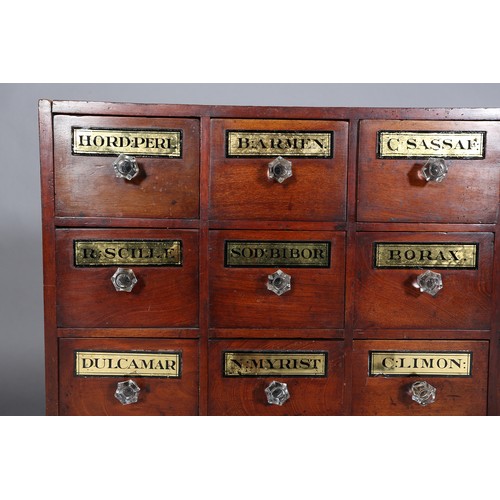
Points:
(21, 301)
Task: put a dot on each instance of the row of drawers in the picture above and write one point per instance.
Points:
(243, 264)
(161, 377)
(390, 186)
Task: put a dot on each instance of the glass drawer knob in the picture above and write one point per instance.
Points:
(124, 280)
(126, 167)
(423, 393)
(279, 169)
(429, 282)
(127, 392)
(434, 170)
(277, 393)
(279, 282)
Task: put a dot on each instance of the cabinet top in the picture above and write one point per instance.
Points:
(264, 112)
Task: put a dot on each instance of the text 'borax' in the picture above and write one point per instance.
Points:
(426, 255)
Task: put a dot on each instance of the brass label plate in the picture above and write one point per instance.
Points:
(103, 253)
(290, 143)
(416, 363)
(128, 364)
(420, 145)
(277, 253)
(136, 142)
(426, 255)
(270, 363)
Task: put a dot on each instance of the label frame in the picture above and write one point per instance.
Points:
(381, 156)
(375, 245)
(177, 353)
(125, 263)
(132, 129)
(323, 353)
(415, 373)
(286, 265)
(331, 154)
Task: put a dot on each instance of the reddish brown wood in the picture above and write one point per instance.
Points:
(49, 258)
(415, 334)
(390, 190)
(276, 332)
(239, 297)
(494, 373)
(245, 395)
(126, 222)
(387, 298)
(158, 396)
(163, 296)
(161, 333)
(240, 189)
(361, 202)
(381, 395)
(203, 262)
(350, 298)
(286, 225)
(86, 186)
(268, 112)
(419, 227)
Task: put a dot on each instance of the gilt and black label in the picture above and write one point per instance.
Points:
(421, 145)
(271, 363)
(103, 253)
(128, 364)
(428, 364)
(294, 144)
(277, 253)
(135, 142)
(425, 255)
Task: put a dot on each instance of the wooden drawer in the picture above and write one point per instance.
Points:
(240, 371)
(242, 261)
(85, 180)
(239, 183)
(164, 262)
(386, 293)
(165, 371)
(384, 372)
(391, 189)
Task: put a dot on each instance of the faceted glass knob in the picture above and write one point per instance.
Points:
(126, 167)
(277, 393)
(279, 169)
(123, 280)
(127, 392)
(434, 170)
(423, 393)
(430, 282)
(279, 282)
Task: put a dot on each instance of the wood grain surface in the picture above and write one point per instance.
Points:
(204, 307)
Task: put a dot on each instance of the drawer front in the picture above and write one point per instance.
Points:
(244, 263)
(164, 375)
(166, 152)
(241, 371)
(390, 265)
(164, 263)
(384, 374)
(392, 187)
(241, 152)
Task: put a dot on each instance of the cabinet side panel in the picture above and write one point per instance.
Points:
(49, 260)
